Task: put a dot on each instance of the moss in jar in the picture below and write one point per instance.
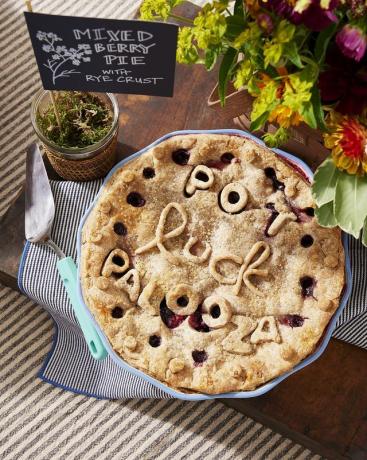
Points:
(85, 120)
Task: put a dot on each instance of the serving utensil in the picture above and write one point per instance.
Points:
(39, 216)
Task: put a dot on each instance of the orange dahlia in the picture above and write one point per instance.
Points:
(347, 141)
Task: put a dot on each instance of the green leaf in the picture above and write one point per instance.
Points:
(322, 42)
(235, 25)
(350, 204)
(317, 108)
(311, 71)
(256, 124)
(325, 215)
(324, 182)
(238, 8)
(308, 114)
(291, 52)
(229, 59)
(211, 55)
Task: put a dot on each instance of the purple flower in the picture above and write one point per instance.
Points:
(352, 42)
(265, 22)
(314, 16)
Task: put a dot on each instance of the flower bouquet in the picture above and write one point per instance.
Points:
(302, 61)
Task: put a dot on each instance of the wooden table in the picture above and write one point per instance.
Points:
(323, 406)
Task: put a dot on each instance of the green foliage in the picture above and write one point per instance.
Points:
(209, 26)
(339, 197)
(297, 92)
(317, 108)
(228, 62)
(290, 55)
(322, 42)
(259, 121)
(285, 31)
(290, 51)
(242, 74)
(325, 215)
(157, 9)
(187, 52)
(85, 120)
(272, 53)
(265, 101)
(350, 208)
(325, 179)
(278, 138)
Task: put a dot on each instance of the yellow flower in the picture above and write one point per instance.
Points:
(347, 141)
(150, 9)
(209, 26)
(285, 116)
(243, 74)
(186, 50)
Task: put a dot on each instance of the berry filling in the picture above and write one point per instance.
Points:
(182, 301)
(148, 173)
(117, 313)
(271, 174)
(215, 311)
(291, 320)
(216, 164)
(227, 158)
(233, 197)
(154, 341)
(306, 241)
(120, 229)
(273, 216)
(309, 211)
(181, 157)
(117, 260)
(196, 321)
(170, 319)
(199, 357)
(202, 176)
(307, 284)
(135, 199)
(303, 215)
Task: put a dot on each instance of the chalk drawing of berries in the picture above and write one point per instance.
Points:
(61, 55)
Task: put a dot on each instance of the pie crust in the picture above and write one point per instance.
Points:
(204, 266)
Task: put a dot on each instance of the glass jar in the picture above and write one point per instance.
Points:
(79, 164)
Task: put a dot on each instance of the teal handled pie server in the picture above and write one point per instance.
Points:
(39, 215)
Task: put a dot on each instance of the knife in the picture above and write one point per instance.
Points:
(39, 216)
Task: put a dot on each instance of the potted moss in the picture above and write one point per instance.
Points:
(78, 131)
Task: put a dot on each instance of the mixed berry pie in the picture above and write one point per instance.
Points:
(205, 267)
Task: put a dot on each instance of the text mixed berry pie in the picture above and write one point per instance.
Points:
(205, 267)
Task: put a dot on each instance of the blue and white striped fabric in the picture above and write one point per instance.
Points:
(69, 364)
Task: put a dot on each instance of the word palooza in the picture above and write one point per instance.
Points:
(104, 55)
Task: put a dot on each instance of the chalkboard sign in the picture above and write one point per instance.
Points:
(105, 55)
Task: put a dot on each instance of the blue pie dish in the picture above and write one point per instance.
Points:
(321, 346)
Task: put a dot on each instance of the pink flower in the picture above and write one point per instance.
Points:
(352, 42)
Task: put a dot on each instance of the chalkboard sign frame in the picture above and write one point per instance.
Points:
(104, 55)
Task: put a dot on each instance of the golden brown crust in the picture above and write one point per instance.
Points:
(232, 258)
